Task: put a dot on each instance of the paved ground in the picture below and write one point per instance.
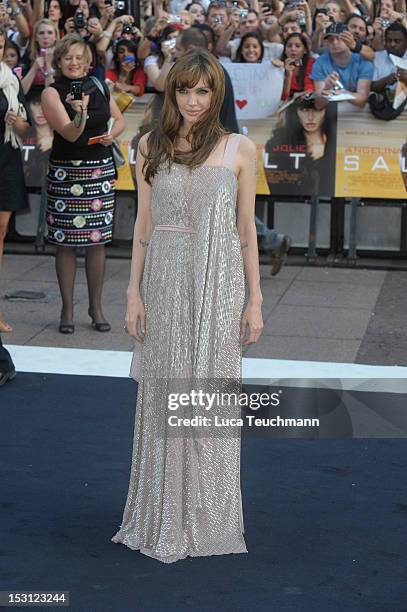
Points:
(310, 313)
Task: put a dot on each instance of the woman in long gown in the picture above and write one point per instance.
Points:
(194, 243)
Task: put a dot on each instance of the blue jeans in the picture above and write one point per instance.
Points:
(270, 236)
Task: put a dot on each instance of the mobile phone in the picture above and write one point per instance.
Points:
(43, 52)
(18, 71)
(76, 90)
(298, 62)
(243, 13)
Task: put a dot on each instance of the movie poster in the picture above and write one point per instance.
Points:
(340, 151)
(371, 155)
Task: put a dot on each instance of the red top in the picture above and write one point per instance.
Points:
(308, 82)
(139, 78)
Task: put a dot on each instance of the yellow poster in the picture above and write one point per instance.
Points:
(370, 160)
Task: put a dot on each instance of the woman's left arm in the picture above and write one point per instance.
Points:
(252, 321)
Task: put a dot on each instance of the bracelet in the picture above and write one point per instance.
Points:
(106, 35)
(81, 116)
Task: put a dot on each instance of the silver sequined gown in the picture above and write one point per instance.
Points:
(184, 494)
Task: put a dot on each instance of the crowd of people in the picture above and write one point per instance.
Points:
(65, 63)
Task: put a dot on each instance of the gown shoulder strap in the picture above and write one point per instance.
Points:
(231, 148)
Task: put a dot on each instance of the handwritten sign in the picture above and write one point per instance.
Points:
(257, 88)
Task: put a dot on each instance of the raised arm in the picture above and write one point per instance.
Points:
(57, 117)
(252, 322)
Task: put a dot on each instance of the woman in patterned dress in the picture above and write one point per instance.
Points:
(81, 176)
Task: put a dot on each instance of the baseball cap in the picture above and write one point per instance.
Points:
(335, 29)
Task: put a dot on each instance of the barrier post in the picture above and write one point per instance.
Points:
(312, 235)
(354, 203)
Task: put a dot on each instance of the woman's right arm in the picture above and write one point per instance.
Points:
(141, 238)
(58, 118)
(27, 81)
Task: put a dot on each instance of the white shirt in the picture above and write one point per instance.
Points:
(383, 66)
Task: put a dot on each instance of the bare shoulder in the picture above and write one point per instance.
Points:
(50, 94)
(246, 155)
(247, 148)
(143, 143)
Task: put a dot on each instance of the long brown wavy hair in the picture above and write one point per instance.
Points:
(205, 134)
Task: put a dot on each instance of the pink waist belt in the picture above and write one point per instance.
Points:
(175, 228)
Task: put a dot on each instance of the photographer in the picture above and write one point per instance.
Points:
(41, 73)
(81, 174)
(385, 72)
(297, 66)
(127, 75)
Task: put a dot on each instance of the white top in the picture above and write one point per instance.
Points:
(383, 66)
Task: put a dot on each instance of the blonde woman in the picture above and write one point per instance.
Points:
(194, 246)
(81, 175)
(45, 36)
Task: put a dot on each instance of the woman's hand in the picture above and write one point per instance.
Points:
(289, 65)
(69, 26)
(40, 63)
(168, 52)
(251, 325)
(78, 105)
(107, 140)
(128, 66)
(94, 27)
(135, 318)
(11, 117)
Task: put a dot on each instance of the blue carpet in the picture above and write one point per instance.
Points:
(325, 520)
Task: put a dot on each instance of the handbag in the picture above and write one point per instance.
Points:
(117, 154)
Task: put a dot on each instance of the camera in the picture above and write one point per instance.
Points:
(218, 19)
(302, 20)
(174, 19)
(76, 90)
(79, 20)
(169, 44)
(120, 5)
(298, 62)
(384, 22)
(243, 13)
(129, 58)
(108, 2)
(128, 28)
